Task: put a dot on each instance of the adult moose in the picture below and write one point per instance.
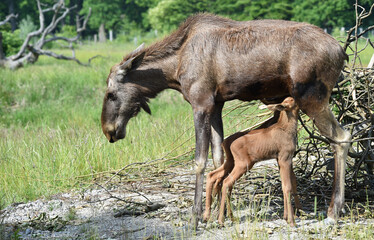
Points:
(211, 60)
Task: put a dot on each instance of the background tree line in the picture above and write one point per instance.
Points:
(127, 17)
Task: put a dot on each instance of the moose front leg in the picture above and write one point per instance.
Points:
(202, 133)
(217, 135)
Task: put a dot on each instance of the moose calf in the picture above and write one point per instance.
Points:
(244, 149)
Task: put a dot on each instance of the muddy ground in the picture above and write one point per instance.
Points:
(120, 208)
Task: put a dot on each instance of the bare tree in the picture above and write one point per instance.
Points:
(29, 53)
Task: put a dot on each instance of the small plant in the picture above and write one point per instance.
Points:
(72, 214)
(89, 233)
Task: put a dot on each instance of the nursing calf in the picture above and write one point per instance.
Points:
(244, 149)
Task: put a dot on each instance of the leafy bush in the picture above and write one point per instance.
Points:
(68, 31)
(26, 26)
(11, 42)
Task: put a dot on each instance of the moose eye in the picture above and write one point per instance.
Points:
(111, 96)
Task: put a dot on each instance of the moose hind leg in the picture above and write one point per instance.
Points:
(340, 141)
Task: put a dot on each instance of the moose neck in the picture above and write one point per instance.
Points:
(155, 76)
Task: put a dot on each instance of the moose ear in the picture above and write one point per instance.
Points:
(138, 49)
(144, 105)
(135, 61)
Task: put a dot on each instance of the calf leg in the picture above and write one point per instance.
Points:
(237, 172)
(285, 165)
(329, 127)
(294, 189)
(212, 181)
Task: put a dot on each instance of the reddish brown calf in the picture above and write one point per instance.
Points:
(244, 149)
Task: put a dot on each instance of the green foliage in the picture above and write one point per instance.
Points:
(11, 42)
(136, 11)
(26, 26)
(326, 14)
(168, 14)
(165, 15)
(68, 31)
(107, 12)
(259, 9)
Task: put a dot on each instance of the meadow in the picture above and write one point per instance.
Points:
(50, 135)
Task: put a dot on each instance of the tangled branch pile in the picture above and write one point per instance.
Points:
(353, 104)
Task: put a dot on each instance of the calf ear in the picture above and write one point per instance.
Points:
(276, 107)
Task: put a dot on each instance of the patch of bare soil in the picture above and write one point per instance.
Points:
(157, 204)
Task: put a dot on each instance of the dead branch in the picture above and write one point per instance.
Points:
(29, 53)
(7, 19)
(149, 206)
(359, 21)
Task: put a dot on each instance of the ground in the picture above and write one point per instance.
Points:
(117, 209)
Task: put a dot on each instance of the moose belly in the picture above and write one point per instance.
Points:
(247, 88)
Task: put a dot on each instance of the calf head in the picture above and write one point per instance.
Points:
(288, 104)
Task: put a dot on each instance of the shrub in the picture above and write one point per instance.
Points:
(11, 42)
(26, 26)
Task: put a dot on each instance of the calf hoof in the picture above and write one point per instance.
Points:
(292, 224)
(221, 222)
(206, 217)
